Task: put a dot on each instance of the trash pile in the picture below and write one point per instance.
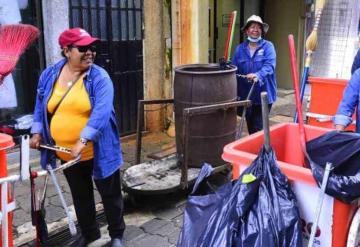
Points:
(258, 209)
(342, 149)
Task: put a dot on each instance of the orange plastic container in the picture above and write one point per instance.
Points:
(6, 142)
(285, 142)
(326, 94)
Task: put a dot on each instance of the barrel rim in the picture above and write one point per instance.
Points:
(180, 69)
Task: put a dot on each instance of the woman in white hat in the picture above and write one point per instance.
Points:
(255, 59)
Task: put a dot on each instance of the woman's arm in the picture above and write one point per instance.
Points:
(356, 63)
(101, 110)
(269, 63)
(348, 103)
(37, 126)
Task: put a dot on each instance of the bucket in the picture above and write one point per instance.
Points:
(6, 141)
(326, 94)
(199, 85)
(336, 216)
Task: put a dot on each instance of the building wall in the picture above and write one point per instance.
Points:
(56, 20)
(290, 21)
(190, 26)
(154, 60)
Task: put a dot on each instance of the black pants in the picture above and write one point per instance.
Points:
(79, 177)
(253, 117)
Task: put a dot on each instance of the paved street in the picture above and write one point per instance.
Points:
(151, 220)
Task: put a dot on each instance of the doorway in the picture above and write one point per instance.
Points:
(219, 19)
(118, 25)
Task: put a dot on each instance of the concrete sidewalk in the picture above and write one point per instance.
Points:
(153, 221)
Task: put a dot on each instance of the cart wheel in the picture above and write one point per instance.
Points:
(354, 231)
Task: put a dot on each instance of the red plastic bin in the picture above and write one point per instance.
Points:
(6, 142)
(326, 94)
(336, 216)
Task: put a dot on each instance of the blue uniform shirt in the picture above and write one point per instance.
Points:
(101, 127)
(263, 64)
(350, 102)
(356, 63)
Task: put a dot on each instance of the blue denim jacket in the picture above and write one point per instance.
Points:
(263, 64)
(350, 102)
(101, 128)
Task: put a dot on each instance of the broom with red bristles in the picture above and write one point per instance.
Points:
(14, 40)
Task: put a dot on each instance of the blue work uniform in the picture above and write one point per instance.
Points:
(356, 63)
(263, 64)
(101, 128)
(349, 103)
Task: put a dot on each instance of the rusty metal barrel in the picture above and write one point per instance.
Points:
(199, 85)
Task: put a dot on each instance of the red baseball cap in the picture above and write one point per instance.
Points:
(76, 36)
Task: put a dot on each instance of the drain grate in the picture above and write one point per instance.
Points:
(62, 236)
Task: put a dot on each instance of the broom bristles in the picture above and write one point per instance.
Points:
(311, 41)
(14, 40)
(319, 4)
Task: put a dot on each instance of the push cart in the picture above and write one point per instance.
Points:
(170, 173)
(339, 222)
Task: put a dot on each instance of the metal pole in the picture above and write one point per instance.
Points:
(71, 223)
(61, 167)
(140, 117)
(140, 121)
(185, 157)
(243, 115)
(24, 157)
(320, 202)
(265, 120)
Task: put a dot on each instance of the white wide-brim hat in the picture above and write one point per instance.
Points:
(256, 19)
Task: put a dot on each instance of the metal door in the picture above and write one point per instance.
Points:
(118, 24)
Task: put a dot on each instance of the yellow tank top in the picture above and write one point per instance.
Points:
(70, 118)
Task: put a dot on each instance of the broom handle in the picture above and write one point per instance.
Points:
(229, 36)
(234, 13)
(310, 46)
(295, 78)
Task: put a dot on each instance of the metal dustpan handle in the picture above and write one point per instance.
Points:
(243, 115)
(265, 120)
(320, 203)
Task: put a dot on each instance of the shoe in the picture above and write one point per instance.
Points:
(81, 241)
(116, 242)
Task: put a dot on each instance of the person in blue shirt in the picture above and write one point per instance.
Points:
(74, 105)
(349, 103)
(255, 60)
(356, 63)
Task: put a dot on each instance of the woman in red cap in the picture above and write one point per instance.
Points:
(74, 109)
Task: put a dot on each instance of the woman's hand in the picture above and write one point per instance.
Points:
(76, 150)
(35, 141)
(339, 127)
(252, 77)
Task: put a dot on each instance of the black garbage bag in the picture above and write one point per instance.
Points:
(202, 202)
(342, 150)
(261, 211)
